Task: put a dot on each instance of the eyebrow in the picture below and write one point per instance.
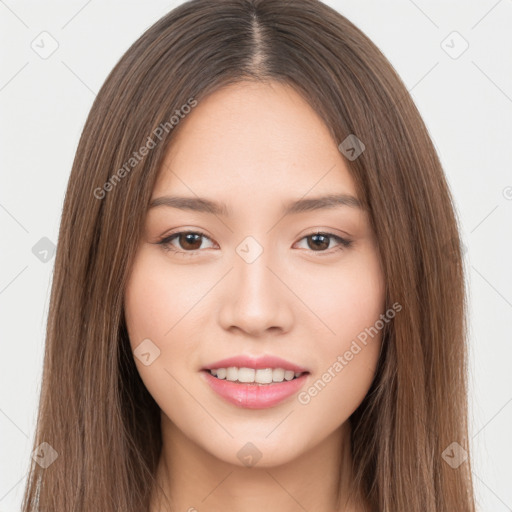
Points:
(201, 204)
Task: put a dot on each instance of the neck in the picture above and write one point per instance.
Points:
(193, 480)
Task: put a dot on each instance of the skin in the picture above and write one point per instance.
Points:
(254, 147)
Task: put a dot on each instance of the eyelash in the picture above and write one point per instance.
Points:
(166, 243)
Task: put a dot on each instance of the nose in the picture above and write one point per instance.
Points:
(255, 298)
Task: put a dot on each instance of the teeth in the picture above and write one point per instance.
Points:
(251, 375)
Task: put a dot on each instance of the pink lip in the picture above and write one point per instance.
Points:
(254, 396)
(256, 363)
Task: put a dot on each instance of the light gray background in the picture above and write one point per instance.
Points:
(466, 103)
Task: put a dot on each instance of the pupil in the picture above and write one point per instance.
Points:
(189, 239)
(323, 244)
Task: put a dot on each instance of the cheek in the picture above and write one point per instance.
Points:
(156, 319)
(346, 299)
(161, 320)
(350, 302)
(157, 301)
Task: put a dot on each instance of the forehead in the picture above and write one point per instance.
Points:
(253, 142)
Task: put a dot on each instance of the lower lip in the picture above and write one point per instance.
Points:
(254, 396)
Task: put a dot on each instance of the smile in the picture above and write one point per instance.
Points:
(254, 376)
(240, 386)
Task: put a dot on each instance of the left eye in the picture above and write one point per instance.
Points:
(191, 241)
(321, 241)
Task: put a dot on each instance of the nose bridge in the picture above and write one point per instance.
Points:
(255, 300)
(255, 284)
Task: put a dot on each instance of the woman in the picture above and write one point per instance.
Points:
(258, 297)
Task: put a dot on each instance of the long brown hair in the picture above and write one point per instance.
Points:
(95, 411)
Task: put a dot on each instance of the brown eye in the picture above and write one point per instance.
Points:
(191, 241)
(320, 243)
(185, 242)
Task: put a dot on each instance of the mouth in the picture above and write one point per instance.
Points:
(254, 376)
(252, 388)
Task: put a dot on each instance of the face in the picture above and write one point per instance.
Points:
(254, 279)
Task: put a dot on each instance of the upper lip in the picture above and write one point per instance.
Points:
(247, 361)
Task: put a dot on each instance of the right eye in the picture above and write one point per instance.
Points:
(189, 241)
